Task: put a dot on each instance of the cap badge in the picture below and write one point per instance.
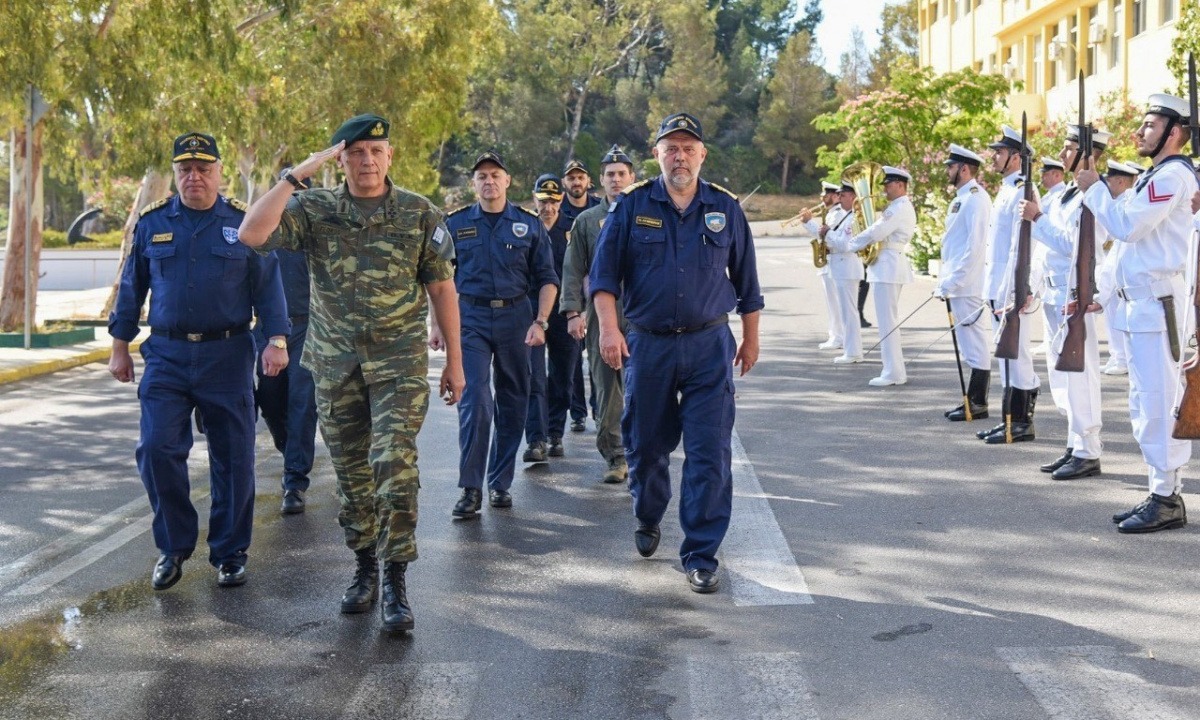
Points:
(377, 130)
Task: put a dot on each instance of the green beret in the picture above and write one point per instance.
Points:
(361, 127)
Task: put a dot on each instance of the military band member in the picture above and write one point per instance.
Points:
(961, 276)
(829, 197)
(891, 270)
(1153, 232)
(1119, 178)
(846, 271)
(1018, 375)
(1055, 226)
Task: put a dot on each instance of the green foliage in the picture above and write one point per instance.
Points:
(1112, 112)
(1187, 40)
(794, 96)
(57, 240)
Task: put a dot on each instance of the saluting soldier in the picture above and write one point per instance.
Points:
(616, 174)
(891, 270)
(961, 278)
(829, 197)
(846, 270)
(1076, 394)
(1119, 178)
(678, 251)
(1153, 233)
(579, 197)
(204, 289)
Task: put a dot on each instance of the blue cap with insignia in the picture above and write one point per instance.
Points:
(361, 127)
(548, 187)
(489, 156)
(680, 122)
(574, 166)
(196, 146)
(616, 155)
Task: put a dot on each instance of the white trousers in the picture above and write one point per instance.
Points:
(1118, 353)
(887, 315)
(1076, 394)
(1024, 377)
(847, 306)
(1154, 383)
(974, 331)
(831, 308)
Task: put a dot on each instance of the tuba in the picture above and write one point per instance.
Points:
(867, 180)
(820, 250)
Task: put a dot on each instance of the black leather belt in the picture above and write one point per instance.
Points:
(298, 318)
(683, 330)
(204, 336)
(489, 302)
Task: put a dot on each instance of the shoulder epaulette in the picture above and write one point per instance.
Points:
(1020, 182)
(974, 189)
(457, 210)
(527, 210)
(154, 206)
(636, 185)
(237, 204)
(715, 186)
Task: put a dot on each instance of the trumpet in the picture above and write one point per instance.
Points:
(796, 218)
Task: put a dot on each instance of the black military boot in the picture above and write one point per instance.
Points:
(1056, 464)
(977, 396)
(364, 589)
(1158, 513)
(468, 504)
(1021, 405)
(397, 616)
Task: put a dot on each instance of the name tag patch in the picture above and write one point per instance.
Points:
(467, 232)
(955, 207)
(651, 222)
(230, 235)
(714, 221)
(161, 237)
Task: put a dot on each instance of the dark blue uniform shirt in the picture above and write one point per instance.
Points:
(501, 263)
(676, 271)
(293, 267)
(568, 212)
(200, 278)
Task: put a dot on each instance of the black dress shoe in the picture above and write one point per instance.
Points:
(499, 498)
(646, 539)
(1056, 464)
(1160, 513)
(364, 589)
(862, 323)
(578, 425)
(293, 502)
(396, 614)
(468, 503)
(1123, 516)
(983, 434)
(978, 412)
(556, 447)
(167, 571)
(1076, 468)
(1021, 432)
(535, 453)
(703, 581)
(231, 574)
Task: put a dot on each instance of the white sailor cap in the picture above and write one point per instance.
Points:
(1010, 139)
(847, 186)
(828, 187)
(959, 154)
(1100, 138)
(894, 173)
(1051, 164)
(1124, 169)
(1168, 106)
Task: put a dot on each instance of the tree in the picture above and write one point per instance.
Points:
(812, 17)
(1187, 40)
(794, 96)
(695, 80)
(898, 43)
(853, 68)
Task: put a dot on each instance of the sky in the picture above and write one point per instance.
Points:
(833, 34)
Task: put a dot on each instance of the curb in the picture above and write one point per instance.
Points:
(47, 367)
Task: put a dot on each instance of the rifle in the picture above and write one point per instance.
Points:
(1071, 358)
(1008, 346)
(1187, 415)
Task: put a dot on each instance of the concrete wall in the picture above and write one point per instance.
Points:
(76, 269)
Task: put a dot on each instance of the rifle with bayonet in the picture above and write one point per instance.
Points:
(1187, 416)
(1008, 346)
(1071, 357)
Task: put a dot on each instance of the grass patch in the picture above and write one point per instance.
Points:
(776, 207)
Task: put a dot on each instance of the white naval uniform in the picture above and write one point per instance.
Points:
(1003, 231)
(846, 271)
(1106, 289)
(1076, 394)
(888, 275)
(835, 319)
(961, 275)
(1037, 266)
(1153, 233)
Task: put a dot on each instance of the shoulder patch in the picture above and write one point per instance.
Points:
(1019, 183)
(715, 186)
(974, 189)
(636, 185)
(154, 206)
(237, 204)
(457, 210)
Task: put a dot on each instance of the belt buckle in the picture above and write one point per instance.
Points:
(495, 303)
(678, 330)
(195, 337)
(1121, 294)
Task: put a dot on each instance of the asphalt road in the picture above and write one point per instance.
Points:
(883, 564)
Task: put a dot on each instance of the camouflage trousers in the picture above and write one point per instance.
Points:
(371, 430)
(610, 395)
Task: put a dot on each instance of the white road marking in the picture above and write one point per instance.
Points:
(761, 567)
(427, 691)
(1095, 682)
(763, 686)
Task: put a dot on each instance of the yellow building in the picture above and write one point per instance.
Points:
(1042, 44)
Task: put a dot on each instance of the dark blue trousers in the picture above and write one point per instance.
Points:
(682, 385)
(288, 403)
(537, 421)
(494, 352)
(580, 403)
(218, 378)
(564, 386)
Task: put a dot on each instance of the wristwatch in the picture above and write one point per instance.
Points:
(296, 182)
(279, 343)
(542, 324)
(573, 315)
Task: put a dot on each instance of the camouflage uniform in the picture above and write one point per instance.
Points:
(609, 383)
(366, 349)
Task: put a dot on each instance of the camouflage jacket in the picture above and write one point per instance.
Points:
(368, 278)
(578, 262)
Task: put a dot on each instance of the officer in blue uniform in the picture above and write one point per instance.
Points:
(288, 401)
(678, 251)
(577, 183)
(502, 251)
(204, 288)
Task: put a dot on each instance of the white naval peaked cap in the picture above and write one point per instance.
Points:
(1009, 138)
(830, 187)
(1126, 169)
(959, 154)
(1168, 106)
(1049, 163)
(1099, 137)
(890, 173)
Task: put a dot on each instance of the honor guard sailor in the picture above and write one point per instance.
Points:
(1120, 179)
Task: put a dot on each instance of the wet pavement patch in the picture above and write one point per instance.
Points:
(891, 635)
(26, 649)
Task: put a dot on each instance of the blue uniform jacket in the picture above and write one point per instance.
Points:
(568, 212)
(200, 280)
(502, 263)
(676, 272)
(293, 267)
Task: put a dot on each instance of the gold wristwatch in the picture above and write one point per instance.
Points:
(279, 342)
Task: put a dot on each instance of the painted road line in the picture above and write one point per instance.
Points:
(426, 691)
(764, 686)
(761, 567)
(1096, 682)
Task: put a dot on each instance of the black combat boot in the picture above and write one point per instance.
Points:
(1021, 404)
(977, 396)
(364, 589)
(397, 616)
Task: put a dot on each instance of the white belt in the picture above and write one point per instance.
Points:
(1153, 291)
(1056, 280)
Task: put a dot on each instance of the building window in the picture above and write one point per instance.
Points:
(1038, 53)
(1118, 29)
(1139, 17)
(933, 12)
(1094, 28)
(1070, 59)
(1168, 11)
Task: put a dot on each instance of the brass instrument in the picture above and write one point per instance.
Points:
(867, 180)
(820, 250)
(811, 211)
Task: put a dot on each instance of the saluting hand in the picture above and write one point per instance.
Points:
(313, 162)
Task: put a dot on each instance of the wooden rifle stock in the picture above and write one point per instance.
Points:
(1009, 344)
(1071, 358)
(1187, 417)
